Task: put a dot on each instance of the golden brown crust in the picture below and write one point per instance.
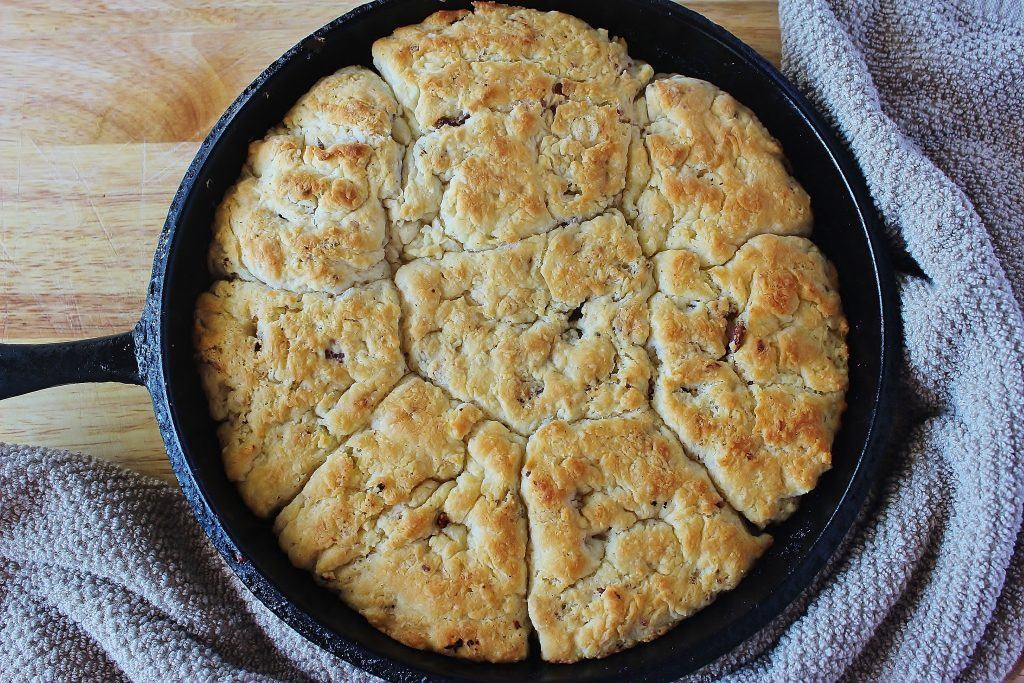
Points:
(752, 368)
(493, 178)
(627, 535)
(713, 177)
(788, 297)
(473, 186)
(288, 375)
(308, 212)
(460, 63)
(416, 522)
(518, 133)
(549, 327)
(493, 160)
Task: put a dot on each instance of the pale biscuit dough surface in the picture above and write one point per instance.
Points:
(552, 326)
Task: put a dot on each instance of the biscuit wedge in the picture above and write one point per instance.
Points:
(628, 536)
(309, 211)
(416, 522)
(288, 375)
(709, 176)
(752, 368)
(552, 326)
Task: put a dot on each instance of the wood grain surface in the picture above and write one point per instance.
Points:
(102, 106)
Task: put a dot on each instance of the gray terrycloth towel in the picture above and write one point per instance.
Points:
(105, 574)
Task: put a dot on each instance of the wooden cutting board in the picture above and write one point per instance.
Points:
(102, 106)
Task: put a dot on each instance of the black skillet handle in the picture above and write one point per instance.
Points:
(29, 367)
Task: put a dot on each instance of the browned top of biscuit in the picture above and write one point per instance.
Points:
(288, 375)
(628, 536)
(713, 176)
(752, 367)
(416, 522)
(308, 213)
(604, 272)
(457, 63)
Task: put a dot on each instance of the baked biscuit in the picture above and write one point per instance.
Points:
(713, 176)
(288, 375)
(550, 327)
(493, 179)
(473, 186)
(416, 522)
(628, 536)
(518, 133)
(621, 338)
(308, 213)
(752, 365)
(583, 158)
(458, 63)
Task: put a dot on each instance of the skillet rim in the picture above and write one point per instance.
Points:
(153, 341)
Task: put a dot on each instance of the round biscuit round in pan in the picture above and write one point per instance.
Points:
(514, 335)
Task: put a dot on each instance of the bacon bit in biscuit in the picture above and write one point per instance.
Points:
(736, 338)
(451, 120)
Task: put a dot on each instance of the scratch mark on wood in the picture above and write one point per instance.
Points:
(3, 228)
(55, 176)
(4, 312)
(141, 190)
(15, 268)
(17, 191)
(172, 154)
(75, 313)
(92, 205)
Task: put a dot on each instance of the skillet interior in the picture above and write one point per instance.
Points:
(671, 39)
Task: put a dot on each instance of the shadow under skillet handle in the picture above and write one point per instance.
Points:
(29, 367)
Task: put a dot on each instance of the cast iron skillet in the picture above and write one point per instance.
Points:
(158, 352)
